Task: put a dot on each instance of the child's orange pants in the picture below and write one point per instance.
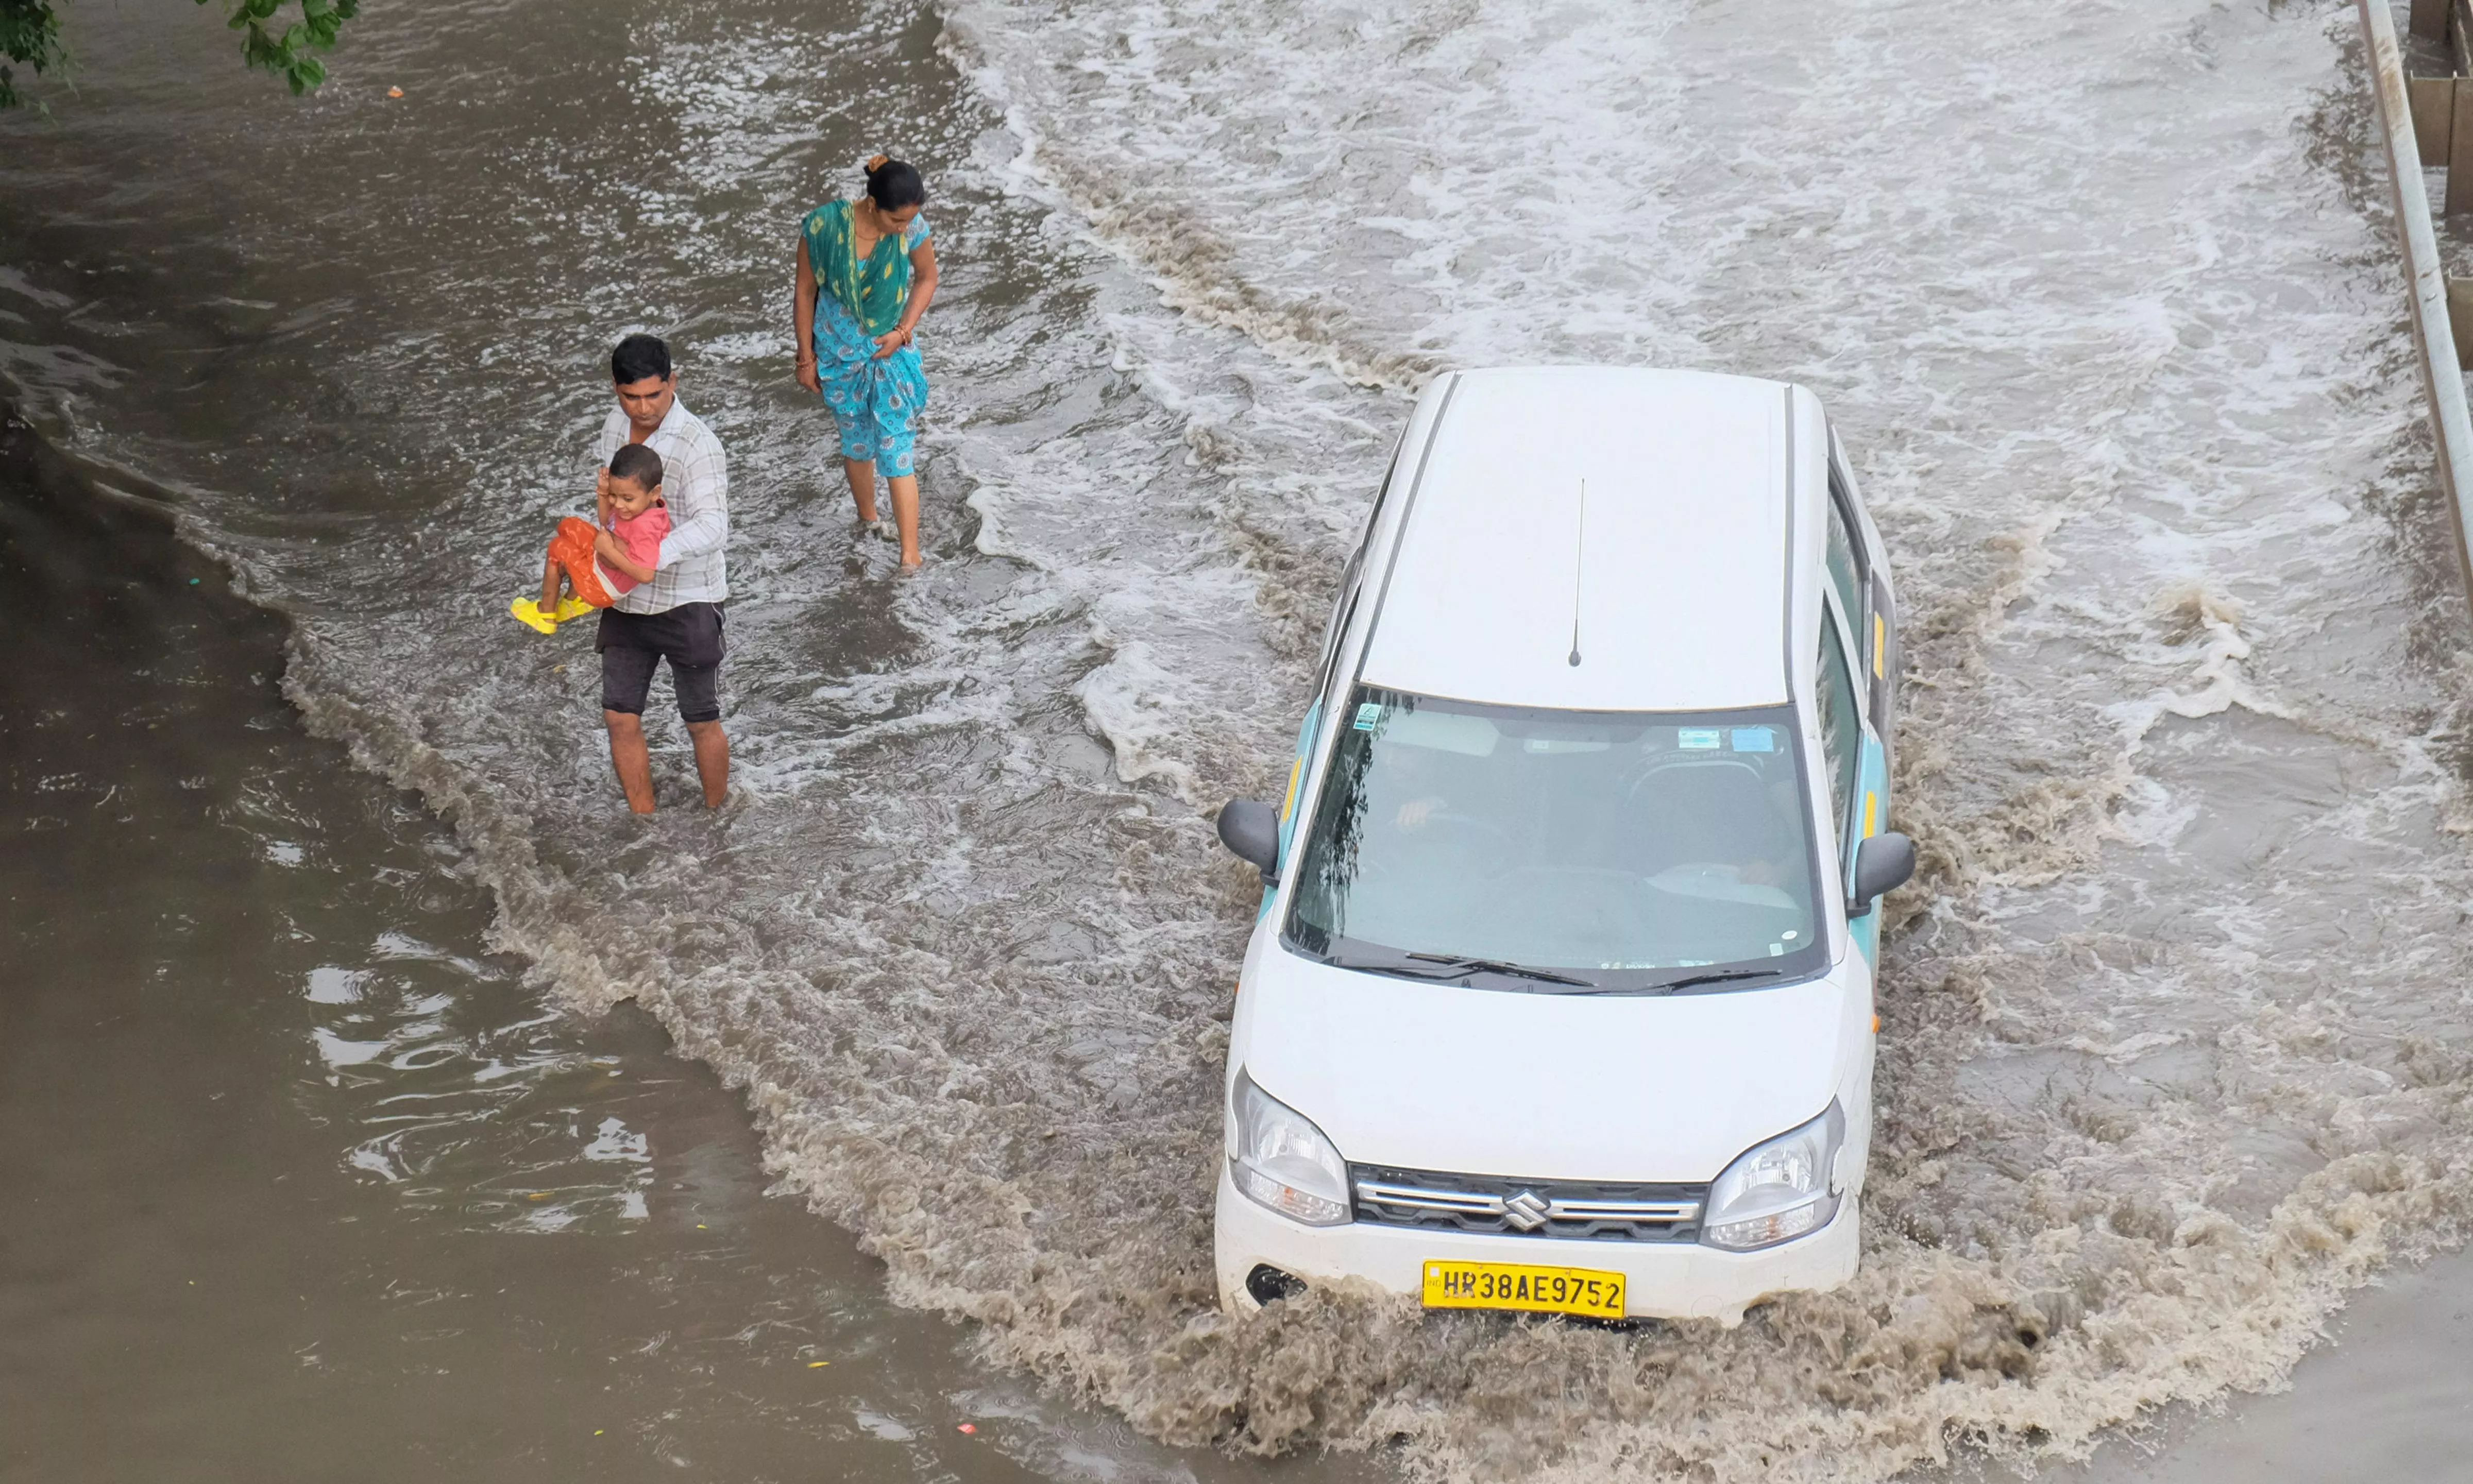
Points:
(572, 549)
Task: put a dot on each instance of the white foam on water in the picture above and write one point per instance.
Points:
(2101, 298)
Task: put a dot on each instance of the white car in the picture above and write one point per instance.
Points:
(1561, 995)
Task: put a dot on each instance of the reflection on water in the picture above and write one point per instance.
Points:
(302, 1183)
(401, 1053)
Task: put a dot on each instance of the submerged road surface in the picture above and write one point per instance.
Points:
(2175, 1042)
(303, 1182)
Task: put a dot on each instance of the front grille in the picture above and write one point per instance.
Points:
(1607, 1210)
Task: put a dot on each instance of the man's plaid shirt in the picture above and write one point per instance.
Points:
(695, 484)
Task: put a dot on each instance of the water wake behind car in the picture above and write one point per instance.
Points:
(2171, 1051)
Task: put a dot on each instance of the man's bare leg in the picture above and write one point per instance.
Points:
(635, 761)
(713, 762)
(862, 483)
(905, 515)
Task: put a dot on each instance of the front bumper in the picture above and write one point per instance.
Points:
(1662, 1281)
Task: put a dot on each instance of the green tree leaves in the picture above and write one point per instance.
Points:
(30, 36)
(291, 52)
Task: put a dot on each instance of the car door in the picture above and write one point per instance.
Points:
(1859, 581)
(1856, 765)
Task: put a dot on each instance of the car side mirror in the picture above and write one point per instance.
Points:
(1882, 864)
(1251, 829)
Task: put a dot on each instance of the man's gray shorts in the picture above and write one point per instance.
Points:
(633, 645)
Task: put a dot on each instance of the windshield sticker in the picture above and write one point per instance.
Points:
(1367, 714)
(1697, 739)
(1754, 739)
(1544, 747)
(1443, 731)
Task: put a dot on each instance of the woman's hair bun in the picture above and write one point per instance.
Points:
(893, 184)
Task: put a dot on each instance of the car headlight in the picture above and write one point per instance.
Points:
(1281, 1160)
(1778, 1190)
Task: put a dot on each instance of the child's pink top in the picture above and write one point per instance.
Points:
(639, 537)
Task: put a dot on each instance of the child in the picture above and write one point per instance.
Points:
(596, 566)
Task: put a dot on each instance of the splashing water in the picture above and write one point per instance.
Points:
(2173, 1051)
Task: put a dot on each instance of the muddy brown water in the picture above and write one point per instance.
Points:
(200, 1279)
(302, 1181)
(2176, 1045)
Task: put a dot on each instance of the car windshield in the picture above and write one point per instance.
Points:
(1561, 851)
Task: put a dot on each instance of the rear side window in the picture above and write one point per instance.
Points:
(1352, 577)
(1842, 726)
(1342, 611)
(1845, 561)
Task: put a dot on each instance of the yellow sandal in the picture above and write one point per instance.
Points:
(528, 613)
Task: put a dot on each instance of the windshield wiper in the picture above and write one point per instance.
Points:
(1721, 976)
(1496, 965)
(1371, 966)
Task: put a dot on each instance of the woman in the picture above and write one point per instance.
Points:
(867, 273)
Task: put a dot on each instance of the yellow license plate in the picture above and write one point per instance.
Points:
(1515, 1285)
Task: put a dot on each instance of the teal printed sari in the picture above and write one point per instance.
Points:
(872, 400)
(875, 291)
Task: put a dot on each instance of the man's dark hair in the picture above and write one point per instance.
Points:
(638, 358)
(637, 463)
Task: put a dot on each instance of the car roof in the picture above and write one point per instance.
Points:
(1678, 580)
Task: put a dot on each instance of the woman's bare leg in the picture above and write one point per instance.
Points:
(905, 515)
(862, 483)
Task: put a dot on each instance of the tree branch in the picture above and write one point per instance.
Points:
(30, 36)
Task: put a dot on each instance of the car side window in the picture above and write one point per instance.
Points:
(1342, 611)
(1846, 566)
(1343, 607)
(1841, 726)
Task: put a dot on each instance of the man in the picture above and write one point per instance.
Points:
(677, 616)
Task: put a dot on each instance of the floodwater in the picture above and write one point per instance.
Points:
(2177, 1051)
(305, 1183)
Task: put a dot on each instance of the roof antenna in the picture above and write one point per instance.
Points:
(1577, 545)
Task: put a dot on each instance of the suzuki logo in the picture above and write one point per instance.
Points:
(1524, 1212)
